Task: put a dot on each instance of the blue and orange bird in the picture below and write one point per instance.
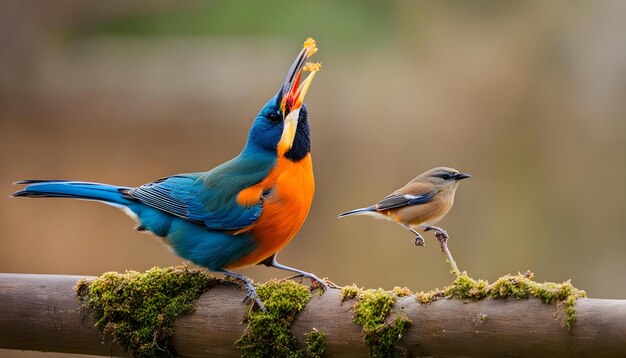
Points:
(238, 214)
(420, 204)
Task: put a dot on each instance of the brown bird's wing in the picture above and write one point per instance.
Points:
(411, 194)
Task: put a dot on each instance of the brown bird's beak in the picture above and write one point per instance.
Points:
(461, 176)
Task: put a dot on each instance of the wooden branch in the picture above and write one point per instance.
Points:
(41, 312)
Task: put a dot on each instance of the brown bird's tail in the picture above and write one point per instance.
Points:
(361, 211)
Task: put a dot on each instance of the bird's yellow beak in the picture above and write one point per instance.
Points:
(293, 92)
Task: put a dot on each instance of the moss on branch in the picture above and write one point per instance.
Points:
(520, 286)
(138, 310)
(269, 333)
(315, 343)
(372, 311)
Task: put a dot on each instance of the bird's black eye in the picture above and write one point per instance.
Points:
(446, 177)
(274, 117)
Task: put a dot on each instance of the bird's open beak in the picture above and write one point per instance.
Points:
(461, 176)
(293, 91)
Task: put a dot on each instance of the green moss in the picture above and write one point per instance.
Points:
(349, 292)
(401, 291)
(269, 333)
(511, 286)
(138, 310)
(315, 343)
(466, 288)
(371, 312)
(570, 311)
(427, 297)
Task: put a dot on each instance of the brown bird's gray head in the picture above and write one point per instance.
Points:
(442, 177)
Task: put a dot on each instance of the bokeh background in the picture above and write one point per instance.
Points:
(527, 96)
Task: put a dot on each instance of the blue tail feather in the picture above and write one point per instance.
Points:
(35, 181)
(73, 189)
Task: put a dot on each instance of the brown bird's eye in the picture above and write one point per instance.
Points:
(446, 177)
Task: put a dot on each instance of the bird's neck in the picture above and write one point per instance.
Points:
(253, 151)
(301, 146)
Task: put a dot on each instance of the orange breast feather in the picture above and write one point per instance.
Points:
(284, 209)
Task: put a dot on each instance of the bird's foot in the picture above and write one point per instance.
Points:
(442, 237)
(443, 243)
(331, 284)
(246, 284)
(251, 295)
(440, 233)
(419, 240)
(316, 282)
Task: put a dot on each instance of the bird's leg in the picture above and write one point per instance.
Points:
(251, 291)
(443, 236)
(271, 262)
(439, 232)
(418, 240)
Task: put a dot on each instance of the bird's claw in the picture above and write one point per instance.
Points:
(319, 283)
(440, 233)
(315, 281)
(246, 284)
(331, 284)
(251, 295)
(419, 241)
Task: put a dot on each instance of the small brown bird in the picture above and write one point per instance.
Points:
(420, 204)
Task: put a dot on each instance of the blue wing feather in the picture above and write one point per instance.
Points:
(209, 198)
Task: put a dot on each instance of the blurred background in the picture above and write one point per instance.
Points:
(527, 96)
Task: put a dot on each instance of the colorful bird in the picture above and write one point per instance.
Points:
(420, 204)
(241, 212)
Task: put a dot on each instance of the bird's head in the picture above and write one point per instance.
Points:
(282, 124)
(443, 177)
